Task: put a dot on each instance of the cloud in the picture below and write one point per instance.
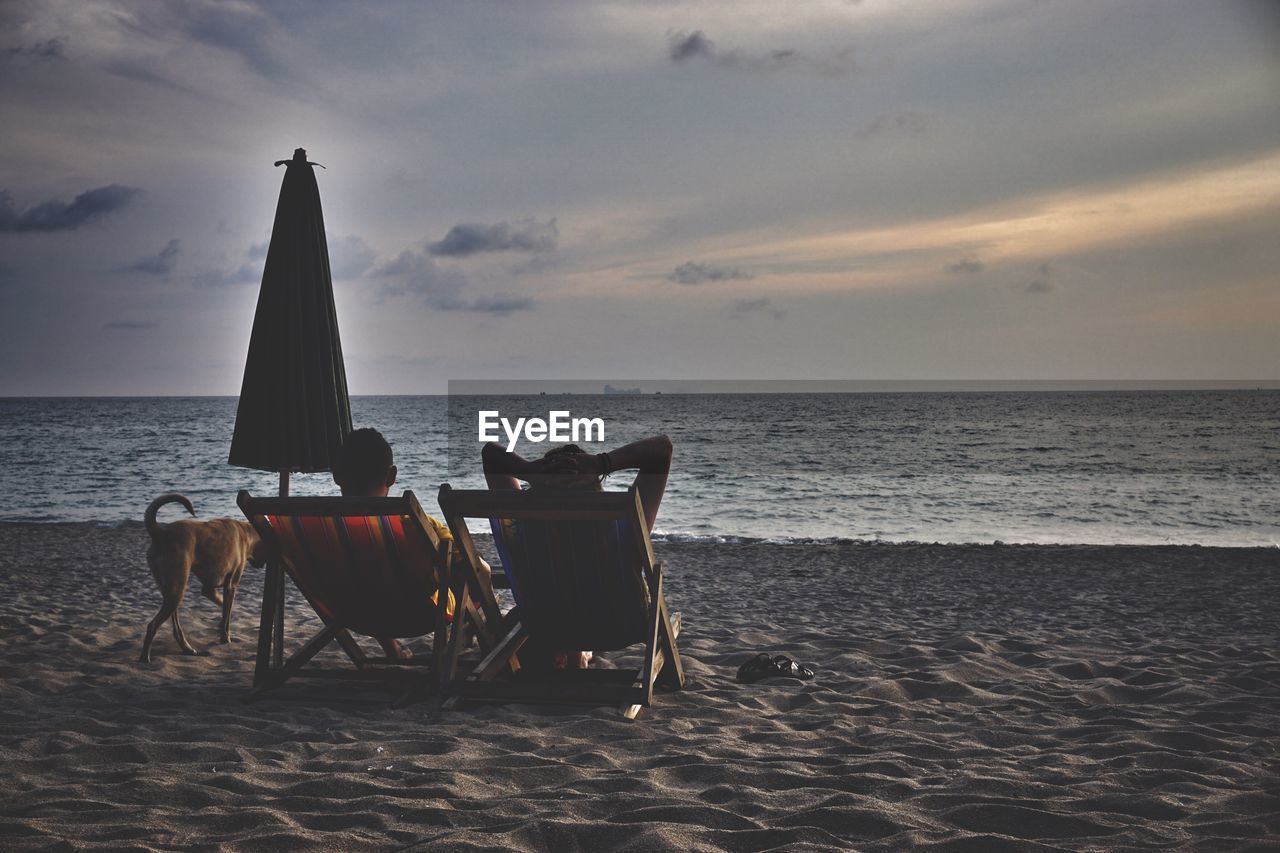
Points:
(685, 46)
(129, 324)
(415, 273)
(88, 207)
(53, 48)
(349, 257)
(965, 266)
(1044, 282)
(747, 307)
(441, 287)
(500, 304)
(695, 273)
(526, 235)
(158, 264)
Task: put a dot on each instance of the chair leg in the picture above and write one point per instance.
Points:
(351, 647)
(672, 674)
(277, 651)
(497, 660)
(266, 625)
(439, 652)
(298, 660)
(457, 635)
(439, 639)
(653, 637)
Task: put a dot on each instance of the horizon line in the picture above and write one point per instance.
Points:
(652, 387)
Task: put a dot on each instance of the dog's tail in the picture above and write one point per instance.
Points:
(152, 508)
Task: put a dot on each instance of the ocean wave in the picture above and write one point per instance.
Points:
(1138, 541)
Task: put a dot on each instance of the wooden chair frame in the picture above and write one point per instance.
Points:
(271, 668)
(631, 689)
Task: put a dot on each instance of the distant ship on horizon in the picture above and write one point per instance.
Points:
(609, 389)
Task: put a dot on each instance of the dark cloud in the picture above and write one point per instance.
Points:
(415, 273)
(440, 287)
(965, 266)
(500, 304)
(349, 257)
(898, 124)
(1044, 282)
(686, 46)
(695, 273)
(88, 207)
(526, 235)
(53, 48)
(682, 46)
(747, 307)
(160, 263)
(129, 324)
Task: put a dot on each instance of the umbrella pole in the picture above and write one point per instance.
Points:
(277, 635)
(271, 627)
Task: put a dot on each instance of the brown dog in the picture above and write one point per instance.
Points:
(215, 551)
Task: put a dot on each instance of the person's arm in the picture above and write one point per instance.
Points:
(498, 465)
(652, 457)
(504, 469)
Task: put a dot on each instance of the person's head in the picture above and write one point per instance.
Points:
(570, 477)
(363, 465)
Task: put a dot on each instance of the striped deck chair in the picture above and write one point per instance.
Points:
(582, 571)
(370, 566)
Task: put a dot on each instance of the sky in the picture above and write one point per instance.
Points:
(874, 190)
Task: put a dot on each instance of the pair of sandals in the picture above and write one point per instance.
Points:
(764, 666)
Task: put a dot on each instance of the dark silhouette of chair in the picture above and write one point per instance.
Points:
(583, 574)
(371, 566)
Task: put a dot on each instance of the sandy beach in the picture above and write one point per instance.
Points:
(977, 698)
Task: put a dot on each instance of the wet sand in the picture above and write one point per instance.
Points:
(967, 698)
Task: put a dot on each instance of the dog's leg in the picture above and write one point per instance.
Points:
(179, 634)
(167, 609)
(228, 598)
(212, 593)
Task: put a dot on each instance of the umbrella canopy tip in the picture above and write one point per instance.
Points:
(299, 156)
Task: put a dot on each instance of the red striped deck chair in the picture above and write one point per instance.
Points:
(582, 571)
(370, 566)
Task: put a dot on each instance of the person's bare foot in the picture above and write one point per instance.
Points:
(395, 649)
(571, 660)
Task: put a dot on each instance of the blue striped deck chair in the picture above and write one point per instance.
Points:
(369, 566)
(581, 569)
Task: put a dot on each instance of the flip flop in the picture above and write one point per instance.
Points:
(772, 666)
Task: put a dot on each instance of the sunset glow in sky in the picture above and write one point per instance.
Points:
(976, 189)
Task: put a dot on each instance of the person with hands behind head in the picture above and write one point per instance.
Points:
(571, 467)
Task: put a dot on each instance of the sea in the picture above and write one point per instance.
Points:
(1069, 467)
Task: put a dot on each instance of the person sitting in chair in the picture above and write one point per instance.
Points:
(571, 467)
(364, 467)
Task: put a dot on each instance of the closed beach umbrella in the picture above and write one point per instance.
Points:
(293, 412)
